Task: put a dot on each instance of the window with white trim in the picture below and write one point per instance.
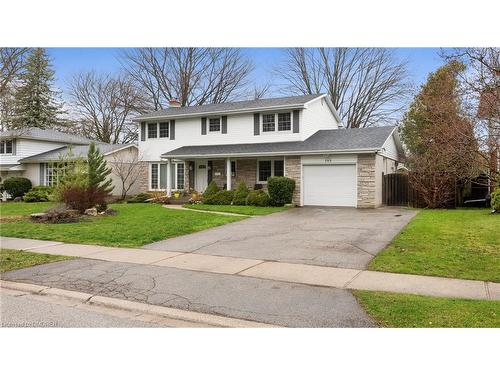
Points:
(179, 182)
(214, 125)
(269, 168)
(164, 130)
(284, 121)
(158, 178)
(153, 130)
(6, 146)
(154, 176)
(268, 123)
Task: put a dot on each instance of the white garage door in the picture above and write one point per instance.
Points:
(330, 185)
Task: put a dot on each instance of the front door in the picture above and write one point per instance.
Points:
(201, 175)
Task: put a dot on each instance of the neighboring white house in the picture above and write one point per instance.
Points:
(33, 153)
(298, 137)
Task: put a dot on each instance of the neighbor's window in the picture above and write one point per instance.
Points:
(284, 121)
(50, 174)
(279, 168)
(264, 170)
(214, 124)
(152, 130)
(163, 129)
(6, 147)
(233, 168)
(154, 176)
(268, 122)
(180, 176)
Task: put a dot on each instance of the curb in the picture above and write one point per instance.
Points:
(134, 307)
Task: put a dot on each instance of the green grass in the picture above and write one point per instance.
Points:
(15, 259)
(461, 243)
(22, 208)
(407, 311)
(135, 225)
(243, 210)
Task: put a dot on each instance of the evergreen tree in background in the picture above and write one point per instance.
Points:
(35, 102)
(98, 170)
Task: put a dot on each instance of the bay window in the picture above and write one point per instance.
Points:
(158, 176)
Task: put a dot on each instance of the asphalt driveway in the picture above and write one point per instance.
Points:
(337, 237)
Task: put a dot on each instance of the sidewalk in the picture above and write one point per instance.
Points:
(341, 278)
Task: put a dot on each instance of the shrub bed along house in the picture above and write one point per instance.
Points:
(280, 190)
(17, 186)
(241, 194)
(258, 198)
(38, 194)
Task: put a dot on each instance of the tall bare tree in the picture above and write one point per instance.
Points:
(368, 86)
(194, 76)
(105, 106)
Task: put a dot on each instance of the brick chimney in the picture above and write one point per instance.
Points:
(174, 103)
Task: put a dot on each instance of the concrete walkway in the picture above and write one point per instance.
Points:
(180, 207)
(341, 278)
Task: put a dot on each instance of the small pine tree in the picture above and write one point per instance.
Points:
(35, 103)
(98, 170)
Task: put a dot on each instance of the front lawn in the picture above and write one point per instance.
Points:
(243, 210)
(15, 259)
(135, 225)
(22, 209)
(461, 243)
(408, 311)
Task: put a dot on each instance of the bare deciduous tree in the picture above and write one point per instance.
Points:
(125, 166)
(11, 63)
(194, 76)
(106, 106)
(368, 86)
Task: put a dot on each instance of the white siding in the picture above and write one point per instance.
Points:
(32, 172)
(391, 150)
(316, 117)
(28, 147)
(128, 155)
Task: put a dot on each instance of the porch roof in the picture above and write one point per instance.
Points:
(330, 141)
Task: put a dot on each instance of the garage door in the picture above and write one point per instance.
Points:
(330, 185)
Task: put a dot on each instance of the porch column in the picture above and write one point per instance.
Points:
(169, 177)
(228, 173)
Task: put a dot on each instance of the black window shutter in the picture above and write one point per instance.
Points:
(296, 125)
(42, 174)
(256, 124)
(172, 130)
(203, 126)
(143, 131)
(224, 124)
(14, 146)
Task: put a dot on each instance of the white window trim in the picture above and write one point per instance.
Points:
(174, 182)
(168, 131)
(220, 125)
(272, 167)
(276, 125)
(4, 142)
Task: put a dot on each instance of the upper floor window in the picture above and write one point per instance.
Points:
(268, 124)
(214, 124)
(153, 130)
(269, 121)
(284, 121)
(6, 147)
(163, 129)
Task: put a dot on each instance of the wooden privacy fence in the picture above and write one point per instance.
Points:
(396, 191)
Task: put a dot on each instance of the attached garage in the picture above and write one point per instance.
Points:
(330, 185)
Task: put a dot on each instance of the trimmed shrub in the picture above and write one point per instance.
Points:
(80, 198)
(139, 198)
(241, 194)
(17, 186)
(223, 197)
(280, 190)
(38, 194)
(495, 200)
(211, 190)
(258, 198)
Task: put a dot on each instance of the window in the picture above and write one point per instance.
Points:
(264, 170)
(268, 122)
(154, 176)
(152, 130)
(270, 168)
(163, 129)
(233, 168)
(6, 147)
(50, 174)
(180, 176)
(279, 168)
(284, 121)
(214, 124)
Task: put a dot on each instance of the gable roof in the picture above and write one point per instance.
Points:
(45, 135)
(79, 151)
(240, 106)
(334, 140)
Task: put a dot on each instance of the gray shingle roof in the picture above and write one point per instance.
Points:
(288, 101)
(323, 140)
(45, 134)
(78, 151)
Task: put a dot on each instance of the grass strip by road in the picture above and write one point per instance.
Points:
(460, 243)
(412, 311)
(135, 225)
(15, 259)
(242, 210)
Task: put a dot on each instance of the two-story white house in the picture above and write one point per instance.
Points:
(299, 137)
(33, 153)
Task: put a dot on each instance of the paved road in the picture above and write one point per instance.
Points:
(274, 302)
(32, 311)
(335, 237)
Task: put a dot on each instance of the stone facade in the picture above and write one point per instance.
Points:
(246, 171)
(293, 170)
(143, 176)
(366, 181)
